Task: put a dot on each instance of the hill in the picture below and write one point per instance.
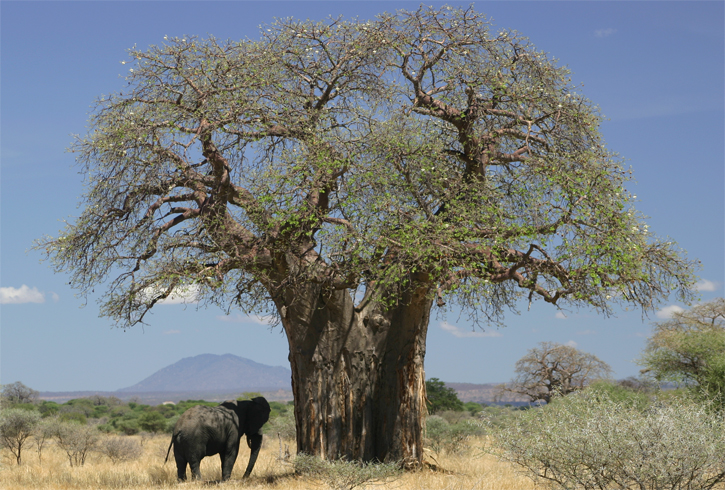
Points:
(484, 393)
(212, 373)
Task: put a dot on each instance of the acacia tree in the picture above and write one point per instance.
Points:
(346, 176)
(552, 369)
(689, 348)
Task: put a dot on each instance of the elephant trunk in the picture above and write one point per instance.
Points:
(255, 443)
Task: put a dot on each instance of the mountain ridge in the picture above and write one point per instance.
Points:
(214, 373)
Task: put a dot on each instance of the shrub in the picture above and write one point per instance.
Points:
(48, 409)
(454, 437)
(16, 427)
(43, 432)
(76, 440)
(620, 393)
(284, 425)
(589, 441)
(119, 449)
(127, 425)
(345, 475)
(152, 422)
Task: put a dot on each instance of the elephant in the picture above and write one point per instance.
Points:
(204, 431)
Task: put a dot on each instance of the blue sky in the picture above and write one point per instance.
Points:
(655, 68)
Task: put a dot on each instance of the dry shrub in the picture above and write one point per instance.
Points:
(119, 448)
(589, 441)
(76, 440)
(346, 475)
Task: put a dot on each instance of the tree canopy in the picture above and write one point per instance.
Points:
(552, 369)
(441, 397)
(419, 141)
(689, 348)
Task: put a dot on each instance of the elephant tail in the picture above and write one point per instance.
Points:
(169, 450)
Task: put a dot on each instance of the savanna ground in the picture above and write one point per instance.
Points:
(467, 470)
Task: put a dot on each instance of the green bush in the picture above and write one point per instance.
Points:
(454, 437)
(619, 393)
(77, 417)
(128, 426)
(283, 424)
(152, 422)
(472, 407)
(440, 397)
(589, 441)
(48, 409)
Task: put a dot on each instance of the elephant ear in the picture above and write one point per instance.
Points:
(257, 415)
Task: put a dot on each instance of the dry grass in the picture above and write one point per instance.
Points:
(471, 471)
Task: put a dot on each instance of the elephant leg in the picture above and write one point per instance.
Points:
(180, 466)
(195, 464)
(228, 459)
(255, 443)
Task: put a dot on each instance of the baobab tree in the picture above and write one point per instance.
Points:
(347, 176)
(550, 369)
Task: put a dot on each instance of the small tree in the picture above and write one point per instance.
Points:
(554, 369)
(16, 427)
(689, 349)
(441, 397)
(43, 433)
(17, 393)
(76, 440)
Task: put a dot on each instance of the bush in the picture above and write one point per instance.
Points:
(345, 475)
(76, 440)
(127, 425)
(284, 425)
(152, 422)
(620, 393)
(454, 437)
(592, 442)
(16, 427)
(119, 449)
(43, 432)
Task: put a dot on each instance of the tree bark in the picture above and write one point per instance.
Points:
(357, 374)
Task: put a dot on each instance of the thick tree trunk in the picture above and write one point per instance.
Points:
(357, 374)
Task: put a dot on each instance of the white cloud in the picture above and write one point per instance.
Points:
(560, 315)
(571, 343)
(172, 332)
(458, 332)
(181, 295)
(668, 311)
(24, 294)
(55, 297)
(239, 318)
(705, 285)
(605, 32)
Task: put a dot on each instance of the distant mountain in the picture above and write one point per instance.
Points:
(212, 373)
(484, 393)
